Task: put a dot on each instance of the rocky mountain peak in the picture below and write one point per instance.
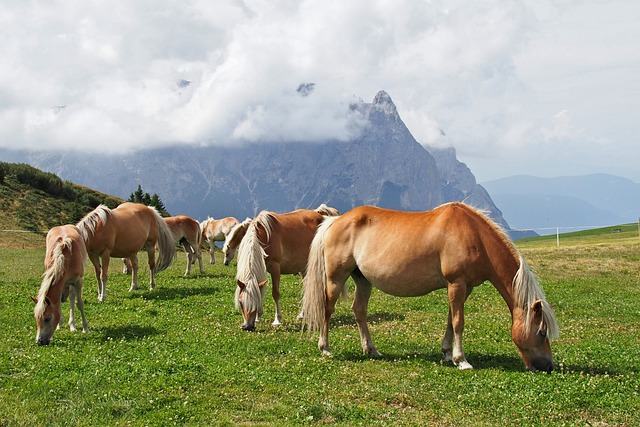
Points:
(383, 166)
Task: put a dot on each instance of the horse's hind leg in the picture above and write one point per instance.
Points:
(95, 260)
(189, 252)
(133, 262)
(151, 252)
(197, 254)
(359, 307)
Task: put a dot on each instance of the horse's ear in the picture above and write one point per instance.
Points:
(34, 299)
(241, 285)
(261, 284)
(536, 307)
(47, 300)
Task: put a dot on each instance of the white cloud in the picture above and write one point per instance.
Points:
(491, 75)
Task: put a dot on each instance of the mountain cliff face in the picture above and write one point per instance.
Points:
(384, 166)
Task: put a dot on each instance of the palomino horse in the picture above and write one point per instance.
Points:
(277, 244)
(413, 253)
(236, 234)
(64, 267)
(186, 232)
(216, 230)
(121, 233)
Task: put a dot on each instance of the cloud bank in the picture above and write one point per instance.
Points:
(497, 77)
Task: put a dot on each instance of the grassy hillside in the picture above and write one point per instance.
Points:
(33, 201)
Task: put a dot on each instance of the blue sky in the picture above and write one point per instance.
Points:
(544, 88)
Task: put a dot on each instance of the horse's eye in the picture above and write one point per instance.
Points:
(542, 333)
(47, 319)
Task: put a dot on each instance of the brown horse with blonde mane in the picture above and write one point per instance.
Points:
(64, 263)
(275, 244)
(216, 230)
(123, 232)
(413, 253)
(186, 232)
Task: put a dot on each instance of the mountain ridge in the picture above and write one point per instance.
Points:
(566, 202)
(383, 166)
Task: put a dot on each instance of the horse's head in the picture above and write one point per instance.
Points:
(248, 299)
(47, 315)
(229, 251)
(233, 240)
(532, 337)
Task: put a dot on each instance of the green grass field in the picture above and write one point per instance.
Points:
(177, 355)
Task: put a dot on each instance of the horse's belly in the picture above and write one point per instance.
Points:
(405, 283)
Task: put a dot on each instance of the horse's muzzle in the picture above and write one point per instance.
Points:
(542, 364)
(43, 341)
(249, 328)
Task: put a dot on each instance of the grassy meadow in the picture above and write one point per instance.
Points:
(177, 355)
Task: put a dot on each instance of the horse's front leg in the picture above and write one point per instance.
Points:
(457, 294)
(359, 307)
(275, 293)
(212, 258)
(133, 262)
(72, 303)
(80, 301)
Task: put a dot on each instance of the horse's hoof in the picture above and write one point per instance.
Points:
(326, 353)
(276, 323)
(464, 366)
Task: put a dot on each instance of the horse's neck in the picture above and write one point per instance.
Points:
(505, 266)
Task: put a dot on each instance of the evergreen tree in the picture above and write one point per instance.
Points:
(139, 196)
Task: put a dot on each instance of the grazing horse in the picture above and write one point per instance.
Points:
(277, 244)
(216, 230)
(64, 267)
(186, 232)
(413, 253)
(236, 234)
(121, 233)
(233, 240)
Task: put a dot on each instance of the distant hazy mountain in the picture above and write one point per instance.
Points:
(570, 202)
(384, 166)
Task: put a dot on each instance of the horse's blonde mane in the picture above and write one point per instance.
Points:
(325, 210)
(251, 269)
(53, 273)
(527, 291)
(525, 285)
(91, 220)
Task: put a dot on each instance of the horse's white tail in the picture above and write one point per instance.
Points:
(315, 281)
(166, 244)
